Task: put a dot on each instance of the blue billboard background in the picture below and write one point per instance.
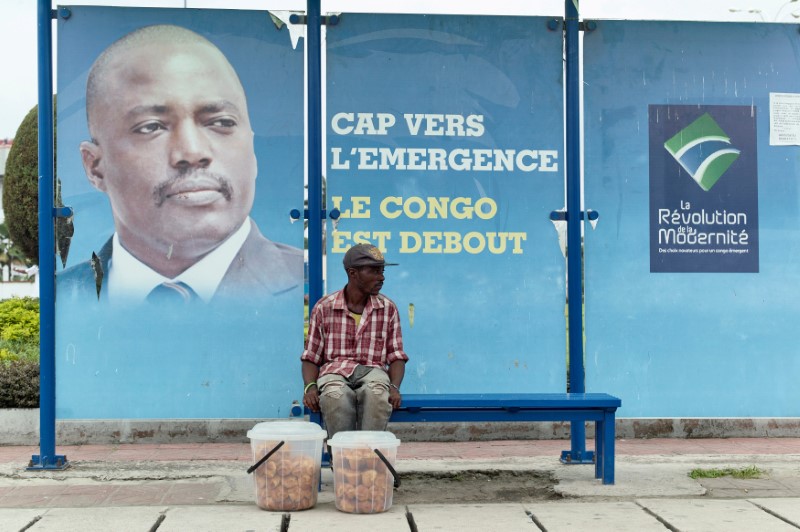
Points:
(237, 358)
(682, 344)
(445, 148)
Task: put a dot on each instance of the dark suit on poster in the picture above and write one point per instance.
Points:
(261, 269)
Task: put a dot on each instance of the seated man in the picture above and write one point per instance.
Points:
(354, 361)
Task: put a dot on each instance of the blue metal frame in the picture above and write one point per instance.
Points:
(314, 90)
(509, 401)
(578, 453)
(47, 459)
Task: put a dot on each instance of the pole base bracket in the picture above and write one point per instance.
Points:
(578, 457)
(58, 462)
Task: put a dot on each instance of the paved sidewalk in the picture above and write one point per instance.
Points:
(204, 487)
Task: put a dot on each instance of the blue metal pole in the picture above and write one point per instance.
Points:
(47, 458)
(577, 384)
(314, 90)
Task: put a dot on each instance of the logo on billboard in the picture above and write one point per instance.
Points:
(692, 230)
(704, 150)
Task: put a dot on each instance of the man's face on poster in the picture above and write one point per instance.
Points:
(172, 147)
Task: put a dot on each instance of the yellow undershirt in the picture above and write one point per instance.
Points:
(356, 317)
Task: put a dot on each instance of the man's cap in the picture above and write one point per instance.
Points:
(364, 255)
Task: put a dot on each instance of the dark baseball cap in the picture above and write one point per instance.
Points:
(364, 255)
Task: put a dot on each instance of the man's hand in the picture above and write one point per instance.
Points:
(311, 399)
(394, 397)
(396, 371)
(310, 373)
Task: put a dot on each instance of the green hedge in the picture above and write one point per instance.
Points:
(19, 384)
(19, 353)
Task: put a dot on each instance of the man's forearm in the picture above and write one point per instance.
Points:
(310, 372)
(397, 371)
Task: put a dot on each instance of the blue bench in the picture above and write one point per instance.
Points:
(574, 407)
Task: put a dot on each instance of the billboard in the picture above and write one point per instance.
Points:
(690, 306)
(445, 150)
(180, 150)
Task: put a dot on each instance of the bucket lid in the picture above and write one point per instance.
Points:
(363, 438)
(286, 430)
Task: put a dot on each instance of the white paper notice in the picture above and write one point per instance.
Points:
(784, 119)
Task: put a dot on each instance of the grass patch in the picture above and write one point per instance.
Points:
(742, 472)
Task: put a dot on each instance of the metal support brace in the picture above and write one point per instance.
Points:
(295, 214)
(585, 215)
(62, 212)
(584, 25)
(331, 20)
(577, 456)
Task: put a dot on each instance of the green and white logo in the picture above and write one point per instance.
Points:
(704, 150)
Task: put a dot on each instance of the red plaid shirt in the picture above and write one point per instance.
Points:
(337, 346)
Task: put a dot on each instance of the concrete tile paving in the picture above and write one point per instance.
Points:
(472, 518)
(188, 492)
(632, 480)
(326, 517)
(17, 519)
(32, 496)
(83, 496)
(111, 494)
(678, 514)
(137, 494)
(708, 515)
(218, 518)
(728, 487)
(98, 519)
(786, 508)
(594, 516)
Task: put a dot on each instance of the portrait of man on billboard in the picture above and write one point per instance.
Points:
(180, 153)
(172, 148)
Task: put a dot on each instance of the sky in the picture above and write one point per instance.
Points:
(18, 26)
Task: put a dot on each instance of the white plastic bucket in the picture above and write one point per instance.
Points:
(289, 478)
(362, 482)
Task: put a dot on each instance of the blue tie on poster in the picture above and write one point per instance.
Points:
(445, 149)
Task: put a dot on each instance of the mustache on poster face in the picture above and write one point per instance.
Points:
(191, 179)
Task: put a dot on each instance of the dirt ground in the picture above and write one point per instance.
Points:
(474, 486)
(484, 486)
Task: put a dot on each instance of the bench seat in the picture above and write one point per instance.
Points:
(574, 407)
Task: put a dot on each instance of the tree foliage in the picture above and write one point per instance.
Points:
(20, 187)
